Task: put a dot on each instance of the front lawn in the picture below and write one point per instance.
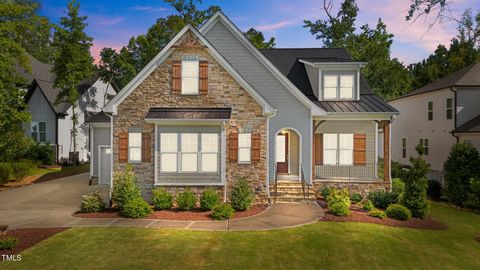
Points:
(320, 245)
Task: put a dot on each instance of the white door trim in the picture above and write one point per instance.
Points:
(99, 155)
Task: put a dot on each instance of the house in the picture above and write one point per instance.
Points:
(51, 123)
(210, 108)
(437, 116)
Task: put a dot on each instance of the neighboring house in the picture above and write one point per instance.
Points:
(210, 108)
(437, 116)
(51, 123)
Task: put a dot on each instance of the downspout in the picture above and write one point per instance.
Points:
(267, 179)
(111, 157)
(454, 113)
(56, 138)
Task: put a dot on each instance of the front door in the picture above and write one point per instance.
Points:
(282, 153)
(104, 165)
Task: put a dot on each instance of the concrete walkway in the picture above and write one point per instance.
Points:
(52, 203)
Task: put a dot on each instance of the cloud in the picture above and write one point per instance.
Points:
(99, 45)
(148, 8)
(104, 20)
(275, 26)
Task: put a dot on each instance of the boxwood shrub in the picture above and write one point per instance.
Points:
(186, 200)
(92, 203)
(209, 199)
(125, 187)
(242, 196)
(162, 199)
(398, 211)
(8, 243)
(382, 199)
(339, 209)
(222, 211)
(367, 205)
(356, 198)
(377, 213)
(136, 208)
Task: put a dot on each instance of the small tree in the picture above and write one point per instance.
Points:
(72, 62)
(109, 68)
(416, 184)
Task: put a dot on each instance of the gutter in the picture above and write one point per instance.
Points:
(454, 113)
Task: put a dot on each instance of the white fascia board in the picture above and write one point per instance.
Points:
(163, 55)
(356, 116)
(220, 17)
(326, 65)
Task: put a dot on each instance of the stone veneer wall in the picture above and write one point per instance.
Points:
(362, 187)
(223, 91)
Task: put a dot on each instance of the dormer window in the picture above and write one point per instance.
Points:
(337, 87)
(190, 77)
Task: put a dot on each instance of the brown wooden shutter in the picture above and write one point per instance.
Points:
(359, 149)
(319, 149)
(123, 147)
(255, 147)
(176, 77)
(233, 146)
(146, 147)
(203, 88)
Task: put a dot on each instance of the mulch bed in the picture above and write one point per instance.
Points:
(478, 238)
(29, 237)
(175, 214)
(359, 215)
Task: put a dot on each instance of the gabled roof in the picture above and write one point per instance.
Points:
(163, 55)
(467, 76)
(472, 126)
(100, 117)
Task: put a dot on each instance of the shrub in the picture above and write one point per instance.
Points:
(473, 200)
(3, 229)
(8, 243)
(21, 169)
(325, 192)
(241, 196)
(92, 203)
(209, 199)
(5, 171)
(339, 209)
(14, 144)
(367, 205)
(124, 187)
(398, 211)
(434, 190)
(382, 199)
(377, 213)
(415, 196)
(462, 164)
(356, 198)
(43, 153)
(222, 211)
(162, 199)
(186, 200)
(136, 208)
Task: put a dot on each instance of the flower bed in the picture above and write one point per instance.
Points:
(359, 215)
(175, 214)
(29, 237)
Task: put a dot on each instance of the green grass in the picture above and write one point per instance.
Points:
(323, 245)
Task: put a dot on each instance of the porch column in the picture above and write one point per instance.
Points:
(314, 157)
(386, 150)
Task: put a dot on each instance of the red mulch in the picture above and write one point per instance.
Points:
(359, 215)
(175, 214)
(478, 238)
(29, 237)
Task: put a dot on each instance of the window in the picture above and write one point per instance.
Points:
(38, 131)
(424, 144)
(404, 147)
(449, 108)
(430, 110)
(338, 149)
(244, 147)
(168, 152)
(190, 73)
(193, 156)
(134, 147)
(338, 87)
(281, 155)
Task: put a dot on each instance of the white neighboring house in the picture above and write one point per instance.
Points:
(437, 116)
(51, 123)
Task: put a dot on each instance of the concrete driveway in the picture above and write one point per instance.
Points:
(45, 204)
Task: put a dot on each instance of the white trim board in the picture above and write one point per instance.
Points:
(165, 53)
(220, 17)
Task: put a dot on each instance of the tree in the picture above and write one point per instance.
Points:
(15, 19)
(416, 184)
(462, 164)
(386, 76)
(424, 7)
(109, 68)
(72, 61)
(258, 40)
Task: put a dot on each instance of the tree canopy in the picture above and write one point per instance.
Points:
(258, 40)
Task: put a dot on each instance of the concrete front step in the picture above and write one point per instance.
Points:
(286, 189)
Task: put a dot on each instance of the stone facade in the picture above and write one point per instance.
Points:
(223, 91)
(362, 187)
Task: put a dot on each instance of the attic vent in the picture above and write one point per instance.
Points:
(190, 58)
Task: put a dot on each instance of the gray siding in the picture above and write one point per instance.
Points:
(41, 111)
(355, 127)
(313, 76)
(291, 113)
(101, 136)
(467, 104)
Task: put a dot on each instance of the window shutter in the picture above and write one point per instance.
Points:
(176, 77)
(255, 147)
(146, 147)
(319, 149)
(359, 149)
(123, 147)
(233, 146)
(203, 78)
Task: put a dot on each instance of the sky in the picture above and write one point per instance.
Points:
(112, 23)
